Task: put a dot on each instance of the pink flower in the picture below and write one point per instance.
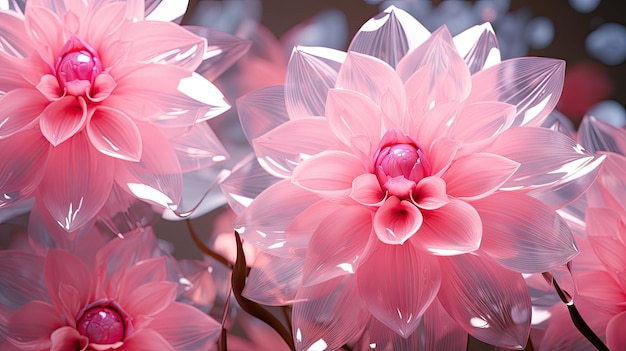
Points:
(412, 186)
(125, 302)
(102, 95)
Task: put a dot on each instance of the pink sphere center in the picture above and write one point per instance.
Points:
(399, 167)
(102, 325)
(77, 67)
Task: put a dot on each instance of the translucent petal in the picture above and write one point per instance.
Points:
(610, 186)
(452, 229)
(263, 223)
(389, 36)
(441, 154)
(244, 184)
(166, 10)
(274, 280)
(396, 221)
(77, 182)
(12, 74)
(198, 148)
(165, 43)
(286, 146)
(150, 298)
(262, 110)
(222, 51)
(397, 284)
(24, 158)
(148, 340)
(157, 177)
(448, 79)
(481, 121)
(114, 134)
(329, 174)
(351, 114)
(15, 41)
(600, 288)
(97, 31)
(596, 135)
(467, 178)
(554, 165)
(606, 231)
(67, 338)
(21, 279)
(63, 118)
(328, 314)
(523, 234)
(491, 303)
(62, 270)
(366, 190)
(478, 46)
(30, 327)
(45, 31)
(338, 245)
(311, 72)
(430, 193)
(532, 84)
(615, 338)
(186, 328)
(307, 222)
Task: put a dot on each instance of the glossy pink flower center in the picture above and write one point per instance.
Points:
(77, 67)
(102, 325)
(399, 167)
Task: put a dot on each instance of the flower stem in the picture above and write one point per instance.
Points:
(578, 320)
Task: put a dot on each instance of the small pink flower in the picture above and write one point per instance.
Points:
(102, 95)
(412, 186)
(125, 302)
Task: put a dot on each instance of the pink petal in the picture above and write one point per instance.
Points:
(157, 177)
(221, 52)
(151, 270)
(602, 290)
(441, 154)
(15, 41)
(430, 193)
(389, 36)
(49, 87)
(263, 223)
(274, 280)
(366, 190)
(329, 174)
(150, 298)
(481, 121)
(24, 158)
(478, 46)
(352, 114)
(554, 165)
(165, 43)
(31, 326)
(431, 123)
(597, 135)
(376, 80)
(262, 110)
(45, 31)
(305, 224)
(609, 187)
(523, 234)
(245, 182)
(68, 338)
(283, 148)
(532, 84)
(114, 134)
(96, 31)
(452, 229)
(468, 179)
(615, 337)
(198, 148)
(21, 275)
(20, 108)
(147, 340)
(186, 328)
(606, 229)
(397, 284)
(329, 314)
(103, 86)
(338, 245)
(449, 78)
(77, 182)
(62, 119)
(311, 72)
(491, 303)
(397, 220)
(63, 270)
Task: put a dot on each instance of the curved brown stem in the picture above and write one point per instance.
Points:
(207, 251)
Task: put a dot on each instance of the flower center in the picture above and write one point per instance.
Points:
(102, 325)
(77, 67)
(400, 164)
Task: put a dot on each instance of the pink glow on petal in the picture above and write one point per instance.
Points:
(430, 193)
(452, 229)
(147, 340)
(491, 303)
(68, 338)
(32, 325)
(186, 328)
(62, 119)
(338, 245)
(45, 31)
(366, 190)
(468, 179)
(20, 108)
(615, 337)
(407, 278)
(397, 220)
(274, 280)
(114, 134)
(63, 270)
(329, 174)
(480, 121)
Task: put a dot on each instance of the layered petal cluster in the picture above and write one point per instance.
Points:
(411, 185)
(124, 302)
(102, 96)
(601, 287)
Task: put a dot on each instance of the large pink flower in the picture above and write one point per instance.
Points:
(412, 186)
(125, 302)
(98, 95)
